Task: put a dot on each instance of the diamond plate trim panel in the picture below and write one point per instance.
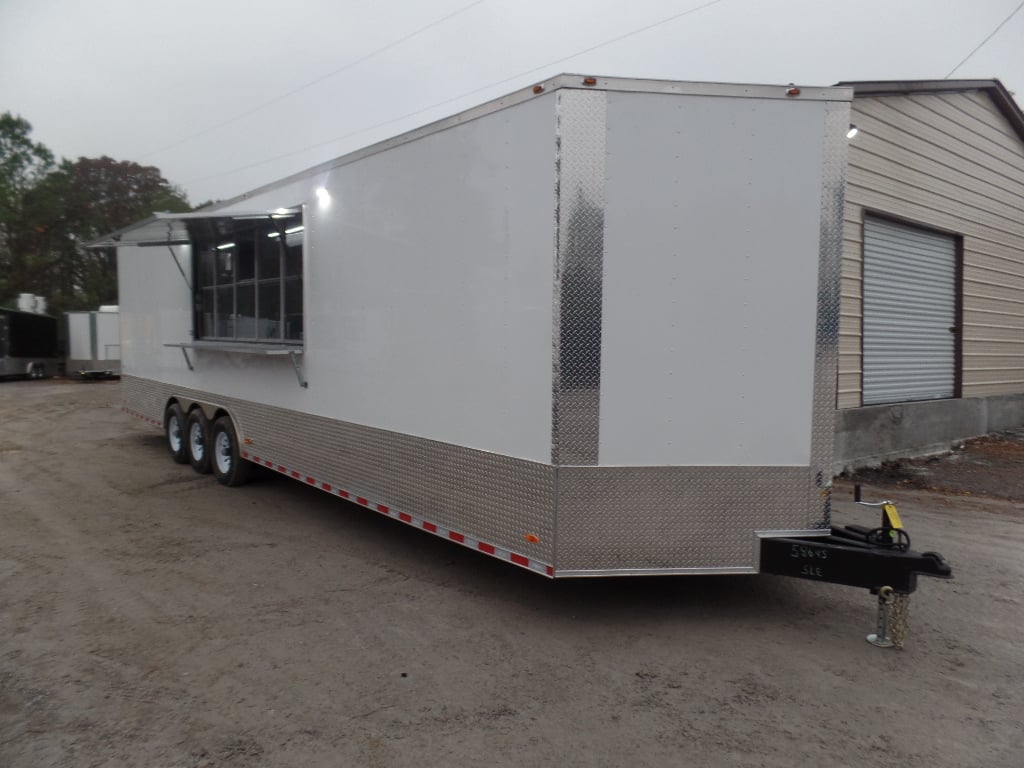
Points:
(612, 520)
(495, 498)
(837, 121)
(664, 519)
(580, 137)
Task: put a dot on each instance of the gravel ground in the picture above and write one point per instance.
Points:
(991, 466)
(153, 618)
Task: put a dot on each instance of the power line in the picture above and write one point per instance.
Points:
(981, 45)
(304, 86)
(494, 84)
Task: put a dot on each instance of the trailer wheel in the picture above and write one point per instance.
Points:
(228, 466)
(174, 430)
(197, 441)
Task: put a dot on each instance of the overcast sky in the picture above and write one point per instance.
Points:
(225, 95)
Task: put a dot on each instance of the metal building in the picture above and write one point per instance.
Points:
(932, 311)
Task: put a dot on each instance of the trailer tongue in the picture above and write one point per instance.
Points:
(878, 559)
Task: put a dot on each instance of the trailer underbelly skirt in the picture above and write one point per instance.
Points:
(556, 520)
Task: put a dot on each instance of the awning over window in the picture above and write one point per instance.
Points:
(163, 229)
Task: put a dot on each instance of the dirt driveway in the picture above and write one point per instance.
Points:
(149, 617)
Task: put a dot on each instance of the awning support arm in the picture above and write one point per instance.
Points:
(187, 361)
(178, 264)
(298, 369)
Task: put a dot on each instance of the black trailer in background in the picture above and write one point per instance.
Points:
(28, 344)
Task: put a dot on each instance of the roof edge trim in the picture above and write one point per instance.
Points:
(998, 92)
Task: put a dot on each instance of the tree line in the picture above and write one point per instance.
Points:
(50, 209)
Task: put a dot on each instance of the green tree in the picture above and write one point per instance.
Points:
(106, 195)
(48, 212)
(23, 163)
(78, 202)
(48, 236)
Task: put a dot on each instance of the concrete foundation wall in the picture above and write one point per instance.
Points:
(873, 434)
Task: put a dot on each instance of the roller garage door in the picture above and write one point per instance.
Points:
(909, 313)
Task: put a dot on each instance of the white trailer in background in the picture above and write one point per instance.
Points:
(589, 328)
(94, 343)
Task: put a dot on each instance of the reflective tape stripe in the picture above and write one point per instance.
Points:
(143, 417)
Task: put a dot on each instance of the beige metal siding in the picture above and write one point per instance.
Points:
(909, 308)
(949, 161)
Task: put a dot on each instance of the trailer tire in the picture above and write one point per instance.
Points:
(225, 458)
(175, 431)
(197, 441)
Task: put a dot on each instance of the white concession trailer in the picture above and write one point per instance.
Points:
(589, 328)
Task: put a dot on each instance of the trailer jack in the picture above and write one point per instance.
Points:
(892, 619)
(878, 559)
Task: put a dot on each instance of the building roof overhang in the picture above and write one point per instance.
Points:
(1000, 96)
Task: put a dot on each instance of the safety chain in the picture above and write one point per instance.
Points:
(898, 612)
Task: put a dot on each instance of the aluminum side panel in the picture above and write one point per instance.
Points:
(497, 499)
(711, 265)
(427, 292)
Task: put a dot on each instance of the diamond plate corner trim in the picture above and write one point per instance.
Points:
(579, 267)
(674, 519)
(833, 175)
(503, 501)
